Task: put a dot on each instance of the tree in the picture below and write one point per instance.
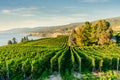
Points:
(9, 42)
(25, 39)
(93, 37)
(89, 34)
(22, 40)
(118, 38)
(86, 33)
(104, 32)
(14, 40)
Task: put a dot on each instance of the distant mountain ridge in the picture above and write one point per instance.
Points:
(53, 31)
(17, 30)
(115, 23)
(22, 30)
(66, 29)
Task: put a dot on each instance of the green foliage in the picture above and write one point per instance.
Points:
(13, 41)
(25, 39)
(38, 59)
(118, 38)
(89, 34)
(68, 76)
(9, 42)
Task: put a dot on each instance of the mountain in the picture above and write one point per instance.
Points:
(66, 29)
(17, 30)
(53, 31)
(22, 30)
(115, 23)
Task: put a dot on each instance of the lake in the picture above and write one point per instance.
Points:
(4, 37)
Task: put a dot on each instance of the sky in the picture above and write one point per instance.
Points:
(35, 13)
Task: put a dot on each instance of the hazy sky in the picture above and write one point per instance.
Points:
(34, 13)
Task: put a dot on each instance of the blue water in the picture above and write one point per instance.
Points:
(4, 37)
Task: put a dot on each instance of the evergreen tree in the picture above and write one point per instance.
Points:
(22, 40)
(9, 42)
(25, 39)
(14, 40)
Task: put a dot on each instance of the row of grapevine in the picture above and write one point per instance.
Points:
(31, 60)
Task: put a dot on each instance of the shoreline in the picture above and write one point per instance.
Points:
(5, 36)
(55, 34)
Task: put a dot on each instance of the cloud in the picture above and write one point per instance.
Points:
(25, 9)
(94, 1)
(74, 7)
(48, 20)
(28, 15)
(21, 10)
(56, 11)
(6, 11)
(79, 15)
(64, 19)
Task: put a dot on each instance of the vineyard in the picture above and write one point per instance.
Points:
(38, 59)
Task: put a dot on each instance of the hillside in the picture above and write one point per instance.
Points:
(53, 31)
(66, 29)
(22, 30)
(115, 23)
(52, 59)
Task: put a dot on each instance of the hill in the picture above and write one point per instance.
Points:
(115, 23)
(53, 31)
(52, 58)
(22, 30)
(66, 29)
